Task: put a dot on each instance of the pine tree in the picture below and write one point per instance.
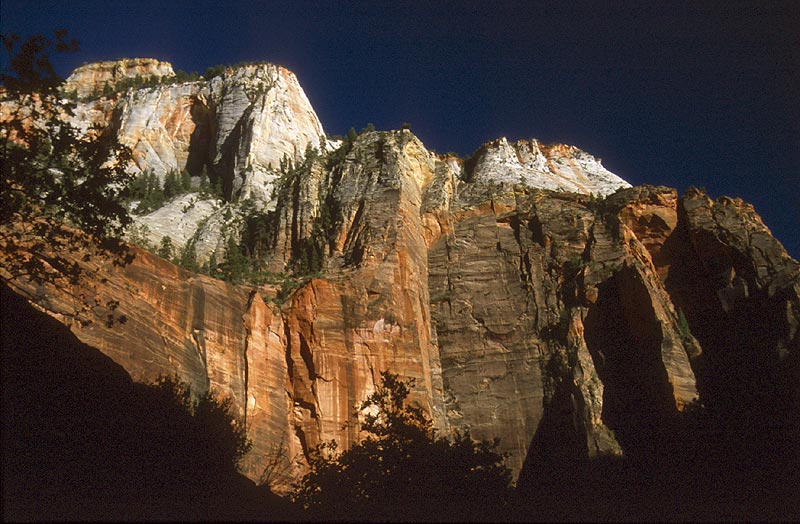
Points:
(204, 182)
(153, 197)
(166, 248)
(138, 187)
(188, 257)
(186, 181)
(235, 267)
(172, 185)
(218, 192)
(212, 265)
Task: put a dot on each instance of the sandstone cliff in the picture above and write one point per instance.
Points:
(90, 79)
(240, 124)
(525, 307)
(529, 162)
(238, 128)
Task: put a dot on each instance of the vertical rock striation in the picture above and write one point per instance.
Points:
(238, 128)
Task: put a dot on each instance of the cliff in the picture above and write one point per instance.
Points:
(82, 441)
(236, 129)
(529, 162)
(90, 79)
(533, 295)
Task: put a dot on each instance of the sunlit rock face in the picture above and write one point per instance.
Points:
(164, 126)
(240, 126)
(237, 129)
(557, 167)
(520, 281)
(532, 295)
(261, 118)
(90, 79)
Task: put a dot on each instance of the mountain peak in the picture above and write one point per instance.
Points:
(558, 167)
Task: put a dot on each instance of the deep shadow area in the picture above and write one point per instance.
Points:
(734, 456)
(82, 441)
(704, 471)
(750, 366)
(624, 339)
(200, 140)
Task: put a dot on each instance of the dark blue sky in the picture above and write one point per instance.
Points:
(674, 93)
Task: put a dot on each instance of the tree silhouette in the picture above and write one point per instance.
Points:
(166, 249)
(210, 429)
(57, 181)
(403, 470)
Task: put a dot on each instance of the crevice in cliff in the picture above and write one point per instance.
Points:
(198, 307)
(225, 169)
(624, 339)
(301, 437)
(308, 358)
(354, 251)
(287, 334)
(299, 387)
(246, 347)
(200, 139)
(198, 336)
(536, 228)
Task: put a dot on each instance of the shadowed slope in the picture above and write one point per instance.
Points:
(81, 440)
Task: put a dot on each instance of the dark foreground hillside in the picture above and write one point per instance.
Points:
(82, 441)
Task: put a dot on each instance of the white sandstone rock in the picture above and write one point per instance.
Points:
(555, 167)
(178, 218)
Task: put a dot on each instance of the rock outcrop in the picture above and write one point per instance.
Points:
(90, 79)
(532, 295)
(240, 125)
(529, 162)
(238, 129)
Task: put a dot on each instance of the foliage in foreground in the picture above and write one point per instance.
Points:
(403, 470)
(220, 437)
(55, 178)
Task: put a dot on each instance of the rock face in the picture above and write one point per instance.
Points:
(240, 125)
(237, 128)
(740, 293)
(524, 306)
(90, 79)
(529, 162)
(165, 126)
(544, 310)
(262, 117)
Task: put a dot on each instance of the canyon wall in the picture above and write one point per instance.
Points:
(532, 295)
